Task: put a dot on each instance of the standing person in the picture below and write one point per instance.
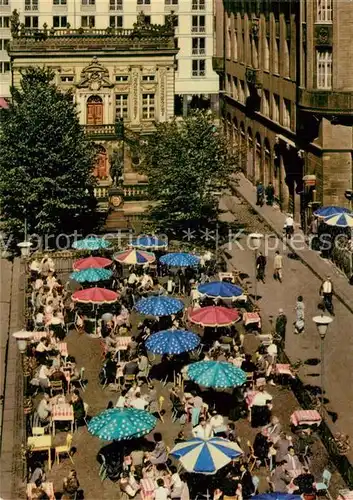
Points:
(71, 485)
(281, 324)
(260, 194)
(326, 290)
(261, 262)
(278, 266)
(270, 194)
(289, 226)
(314, 231)
(300, 315)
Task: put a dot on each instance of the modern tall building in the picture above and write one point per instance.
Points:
(286, 77)
(196, 84)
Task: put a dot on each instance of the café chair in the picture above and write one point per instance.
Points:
(56, 386)
(64, 449)
(323, 486)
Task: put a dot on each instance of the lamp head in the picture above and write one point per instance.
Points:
(322, 322)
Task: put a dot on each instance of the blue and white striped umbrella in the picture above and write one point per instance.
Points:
(172, 342)
(220, 289)
(152, 242)
(121, 423)
(91, 243)
(91, 275)
(159, 305)
(328, 211)
(340, 220)
(206, 456)
(180, 260)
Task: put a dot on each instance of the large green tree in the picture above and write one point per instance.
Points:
(45, 162)
(187, 162)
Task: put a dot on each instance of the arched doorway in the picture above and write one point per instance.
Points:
(94, 110)
(101, 168)
(258, 162)
(250, 157)
(267, 163)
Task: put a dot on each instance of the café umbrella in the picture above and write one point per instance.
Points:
(329, 211)
(91, 243)
(214, 316)
(159, 305)
(95, 295)
(91, 262)
(206, 456)
(340, 220)
(216, 374)
(91, 275)
(133, 257)
(276, 496)
(172, 342)
(220, 290)
(180, 259)
(119, 424)
(152, 242)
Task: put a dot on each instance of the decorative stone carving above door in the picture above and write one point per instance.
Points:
(95, 76)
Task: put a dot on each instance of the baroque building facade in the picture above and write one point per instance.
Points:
(122, 82)
(286, 77)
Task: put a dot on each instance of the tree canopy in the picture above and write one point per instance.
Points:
(46, 162)
(187, 162)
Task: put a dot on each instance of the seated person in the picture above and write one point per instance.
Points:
(71, 485)
(131, 367)
(261, 446)
(159, 454)
(292, 461)
(138, 402)
(274, 429)
(161, 492)
(217, 422)
(128, 484)
(304, 483)
(110, 369)
(78, 406)
(38, 474)
(43, 376)
(247, 365)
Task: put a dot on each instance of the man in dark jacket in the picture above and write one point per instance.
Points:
(281, 324)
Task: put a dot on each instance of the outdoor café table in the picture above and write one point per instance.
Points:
(345, 495)
(62, 348)
(283, 369)
(305, 417)
(47, 487)
(62, 412)
(41, 443)
(252, 318)
(147, 488)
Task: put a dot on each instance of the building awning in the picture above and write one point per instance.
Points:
(283, 138)
(309, 180)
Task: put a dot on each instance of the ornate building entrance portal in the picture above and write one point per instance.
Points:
(94, 110)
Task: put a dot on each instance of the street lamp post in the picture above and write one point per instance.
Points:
(322, 322)
(255, 239)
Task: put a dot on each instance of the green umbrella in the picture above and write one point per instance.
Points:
(91, 243)
(91, 275)
(119, 424)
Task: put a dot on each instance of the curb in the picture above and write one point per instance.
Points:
(235, 189)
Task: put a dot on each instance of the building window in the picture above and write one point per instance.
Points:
(143, 2)
(147, 19)
(286, 59)
(276, 52)
(4, 22)
(324, 69)
(229, 45)
(171, 2)
(148, 106)
(176, 65)
(4, 67)
(116, 21)
(88, 2)
(59, 21)
(4, 44)
(324, 11)
(286, 113)
(31, 4)
(267, 54)
(198, 67)
(198, 24)
(198, 4)
(198, 46)
(59, 2)
(122, 106)
(88, 21)
(265, 103)
(275, 108)
(66, 79)
(175, 20)
(254, 52)
(148, 78)
(235, 45)
(31, 22)
(4, 2)
(121, 78)
(115, 4)
(242, 92)
(229, 85)
(235, 88)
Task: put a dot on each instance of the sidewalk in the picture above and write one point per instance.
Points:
(320, 267)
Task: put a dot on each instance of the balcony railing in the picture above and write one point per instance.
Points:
(198, 29)
(135, 191)
(338, 103)
(101, 192)
(100, 130)
(198, 52)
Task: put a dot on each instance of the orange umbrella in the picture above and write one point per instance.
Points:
(214, 316)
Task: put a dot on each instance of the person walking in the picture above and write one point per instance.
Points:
(260, 194)
(270, 194)
(289, 226)
(261, 262)
(281, 325)
(278, 265)
(300, 315)
(326, 290)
